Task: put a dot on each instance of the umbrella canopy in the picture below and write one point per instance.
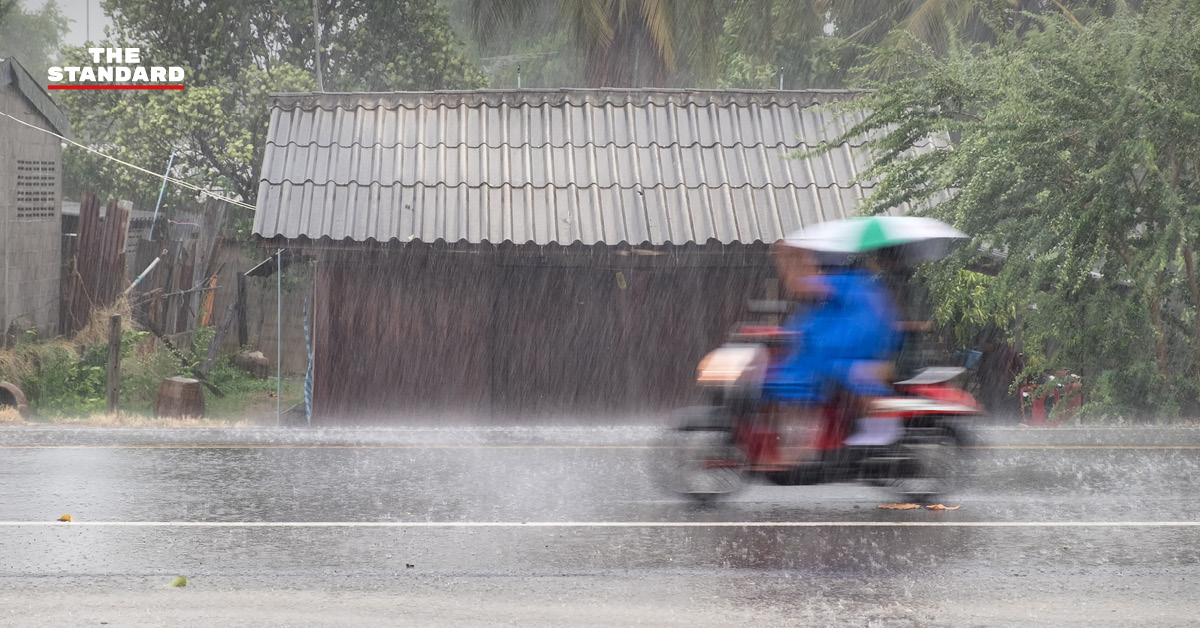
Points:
(914, 238)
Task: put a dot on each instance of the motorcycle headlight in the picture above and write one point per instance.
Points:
(732, 364)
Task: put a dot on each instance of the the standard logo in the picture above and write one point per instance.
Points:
(122, 69)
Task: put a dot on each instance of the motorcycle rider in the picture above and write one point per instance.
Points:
(842, 339)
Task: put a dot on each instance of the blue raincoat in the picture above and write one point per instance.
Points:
(854, 325)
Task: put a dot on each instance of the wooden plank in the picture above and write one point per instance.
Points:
(170, 267)
(187, 278)
(83, 285)
(102, 257)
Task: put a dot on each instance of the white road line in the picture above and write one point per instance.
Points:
(552, 447)
(604, 524)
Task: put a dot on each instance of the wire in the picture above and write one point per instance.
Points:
(178, 182)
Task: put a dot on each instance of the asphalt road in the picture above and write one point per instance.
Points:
(560, 526)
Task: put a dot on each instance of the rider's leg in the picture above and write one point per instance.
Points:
(864, 384)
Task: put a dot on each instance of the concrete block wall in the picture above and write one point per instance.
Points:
(30, 248)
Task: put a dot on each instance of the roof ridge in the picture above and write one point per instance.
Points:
(308, 240)
(599, 97)
(397, 184)
(695, 144)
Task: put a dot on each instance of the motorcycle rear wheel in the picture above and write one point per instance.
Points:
(700, 464)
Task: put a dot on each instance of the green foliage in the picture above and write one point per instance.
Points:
(32, 36)
(235, 55)
(61, 380)
(142, 376)
(966, 303)
(632, 43)
(1069, 149)
(539, 47)
(65, 382)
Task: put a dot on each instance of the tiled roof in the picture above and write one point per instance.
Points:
(563, 166)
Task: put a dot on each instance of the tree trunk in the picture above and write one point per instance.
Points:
(1160, 336)
(1194, 289)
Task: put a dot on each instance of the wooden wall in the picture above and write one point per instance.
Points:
(499, 332)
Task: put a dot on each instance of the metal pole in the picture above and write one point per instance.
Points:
(317, 47)
(278, 337)
(170, 162)
(144, 273)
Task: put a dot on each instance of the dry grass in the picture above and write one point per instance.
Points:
(21, 362)
(17, 364)
(10, 416)
(97, 328)
(136, 420)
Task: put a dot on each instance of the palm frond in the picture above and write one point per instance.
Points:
(659, 21)
(488, 15)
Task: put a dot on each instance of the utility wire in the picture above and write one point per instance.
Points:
(178, 182)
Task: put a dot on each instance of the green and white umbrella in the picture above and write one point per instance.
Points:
(914, 238)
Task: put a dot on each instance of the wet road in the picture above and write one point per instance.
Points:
(562, 527)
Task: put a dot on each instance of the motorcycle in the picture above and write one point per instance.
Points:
(913, 443)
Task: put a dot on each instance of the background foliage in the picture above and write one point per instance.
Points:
(1068, 148)
(235, 55)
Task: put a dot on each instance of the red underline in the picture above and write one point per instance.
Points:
(102, 86)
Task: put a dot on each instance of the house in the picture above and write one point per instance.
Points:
(30, 199)
(539, 251)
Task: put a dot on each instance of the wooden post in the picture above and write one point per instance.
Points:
(243, 329)
(114, 364)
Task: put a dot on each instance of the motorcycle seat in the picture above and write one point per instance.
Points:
(932, 375)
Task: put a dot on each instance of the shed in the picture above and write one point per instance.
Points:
(30, 201)
(539, 251)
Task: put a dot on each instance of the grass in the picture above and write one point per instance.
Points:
(249, 406)
(65, 380)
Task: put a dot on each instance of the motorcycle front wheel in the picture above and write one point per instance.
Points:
(933, 463)
(702, 464)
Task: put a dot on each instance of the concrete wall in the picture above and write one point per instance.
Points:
(30, 245)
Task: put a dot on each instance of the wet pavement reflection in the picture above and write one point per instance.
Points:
(320, 512)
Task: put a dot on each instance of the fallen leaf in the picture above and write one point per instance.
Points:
(65, 518)
(178, 582)
(941, 507)
(898, 506)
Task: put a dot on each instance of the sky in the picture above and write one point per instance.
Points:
(87, 18)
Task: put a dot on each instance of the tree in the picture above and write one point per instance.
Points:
(818, 43)
(1070, 148)
(625, 43)
(235, 55)
(32, 37)
(538, 48)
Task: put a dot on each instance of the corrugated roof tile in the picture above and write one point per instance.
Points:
(557, 166)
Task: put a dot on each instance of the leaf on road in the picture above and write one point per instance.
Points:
(178, 582)
(941, 507)
(65, 518)
(898, 506)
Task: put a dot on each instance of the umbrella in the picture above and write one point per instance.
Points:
(913, 238)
